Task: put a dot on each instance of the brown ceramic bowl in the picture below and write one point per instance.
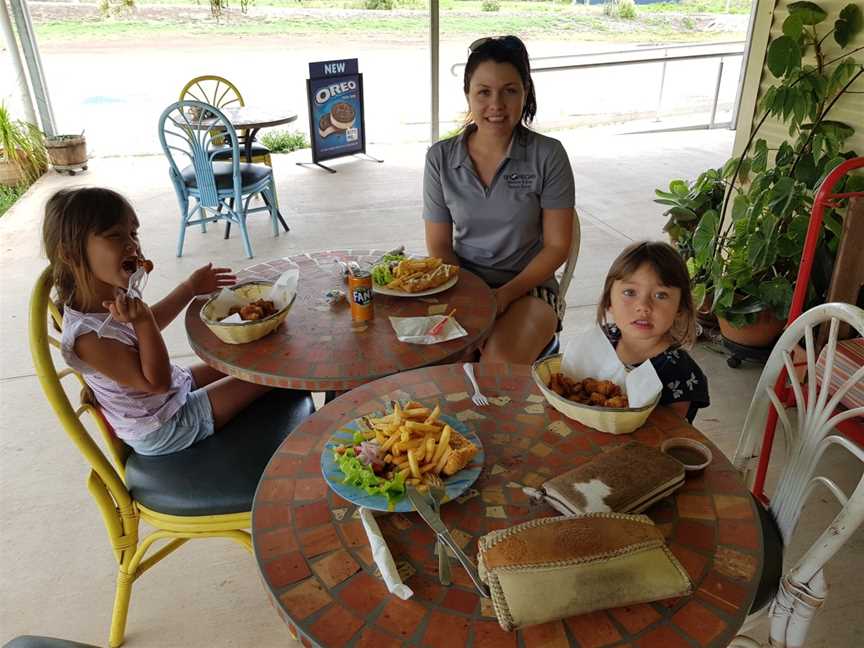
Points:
(693, 455)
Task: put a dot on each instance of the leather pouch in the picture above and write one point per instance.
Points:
(557, 567)
(628, 479)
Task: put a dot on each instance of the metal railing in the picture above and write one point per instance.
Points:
(636, 57)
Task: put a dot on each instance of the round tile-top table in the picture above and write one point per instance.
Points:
(315, 560)
(319, 348)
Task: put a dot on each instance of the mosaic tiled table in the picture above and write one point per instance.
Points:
(316, 563)
(319, 348)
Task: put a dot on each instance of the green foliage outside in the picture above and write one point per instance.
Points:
(384, 5)
(749, 264)
(8, 196)
(490, 5)
(282, 141)
(622, 9)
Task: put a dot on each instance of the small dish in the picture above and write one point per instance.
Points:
(694, 456)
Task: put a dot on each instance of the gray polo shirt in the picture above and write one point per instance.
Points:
(498, 230)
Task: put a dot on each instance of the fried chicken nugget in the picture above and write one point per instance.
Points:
(251, 312)
(605, 387)
(597, 399)
(618, 402)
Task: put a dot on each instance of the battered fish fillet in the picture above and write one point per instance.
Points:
(462, 452)
(428, 280)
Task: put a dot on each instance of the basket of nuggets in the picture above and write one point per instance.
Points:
(589, 384)
(411, 276)
(246, 312)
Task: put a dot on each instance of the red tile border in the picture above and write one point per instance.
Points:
(594, 630)
(336, 626)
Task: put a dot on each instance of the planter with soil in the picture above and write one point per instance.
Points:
(68, 153)
(753, 341)
(10, 173)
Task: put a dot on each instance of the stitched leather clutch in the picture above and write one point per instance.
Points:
(628, 479)
(557, 567)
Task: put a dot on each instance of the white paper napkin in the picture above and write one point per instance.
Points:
(135, 289)
(591, 355)
(382, 556)
(414, 330)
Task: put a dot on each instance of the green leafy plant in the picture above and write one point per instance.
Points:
(623, 9)
(23, 144)
(752, 260)
(490, 5)
(383, 5)
(282, 141)
(8, 196)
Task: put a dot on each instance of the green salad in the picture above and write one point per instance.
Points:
(363, 476)
(382, 272)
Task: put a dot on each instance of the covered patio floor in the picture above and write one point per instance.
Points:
(55, 561)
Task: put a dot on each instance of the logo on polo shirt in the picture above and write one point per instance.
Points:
(520, 180)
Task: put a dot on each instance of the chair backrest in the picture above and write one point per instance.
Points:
(188, 131)
(213, 90)
(570, 265)
(105, 482)
(807, 429)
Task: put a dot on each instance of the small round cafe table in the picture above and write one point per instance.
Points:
(316, 563)
(318, 347)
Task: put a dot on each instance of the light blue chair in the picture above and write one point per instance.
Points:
(209, 189)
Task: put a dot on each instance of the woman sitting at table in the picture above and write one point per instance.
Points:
(498, 200)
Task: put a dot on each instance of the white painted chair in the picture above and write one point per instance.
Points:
(554, 345)
(809, 430)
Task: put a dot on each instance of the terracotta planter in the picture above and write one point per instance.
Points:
(704, 314)
(763, 333)
(10, 173)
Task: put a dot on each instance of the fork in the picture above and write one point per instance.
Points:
(437, 493)
(478, 399)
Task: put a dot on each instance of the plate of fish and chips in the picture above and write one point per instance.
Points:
(407, 277)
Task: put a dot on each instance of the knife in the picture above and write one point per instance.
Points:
(422, 506)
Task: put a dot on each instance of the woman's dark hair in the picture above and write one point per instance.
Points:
(504, 49)
(71, 215)
(668, 265)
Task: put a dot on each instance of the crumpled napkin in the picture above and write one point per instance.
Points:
(382, 556)
(281, 293)
(135, 289)
(591, 355)
(414, 330)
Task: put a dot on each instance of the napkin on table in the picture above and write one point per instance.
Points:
(415, 330)
(382, 556)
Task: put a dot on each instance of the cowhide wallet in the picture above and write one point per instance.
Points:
(557, 567)
(628, 479)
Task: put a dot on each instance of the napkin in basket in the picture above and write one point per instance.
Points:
(591, 355)
(281, 293)
(415, 330)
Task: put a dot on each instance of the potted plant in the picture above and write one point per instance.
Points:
(750, 262)
(67, 152)
(22, 151)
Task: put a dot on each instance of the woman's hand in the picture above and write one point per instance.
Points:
(130, 310)
(208, 279)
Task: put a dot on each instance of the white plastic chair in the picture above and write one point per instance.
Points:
(809, 430)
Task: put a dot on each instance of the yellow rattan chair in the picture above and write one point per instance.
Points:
(220, 92)
(204, 491)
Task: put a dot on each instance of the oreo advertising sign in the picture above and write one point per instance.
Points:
(335, 99)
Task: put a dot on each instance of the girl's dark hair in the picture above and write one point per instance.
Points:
(664, 260)
(71, 215)
(505, 49)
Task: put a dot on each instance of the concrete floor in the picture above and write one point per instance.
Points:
(56, 565)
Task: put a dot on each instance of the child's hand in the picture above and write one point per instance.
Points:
(208, 279)
(127, 309)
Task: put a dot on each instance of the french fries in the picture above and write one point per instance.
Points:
(414, 442)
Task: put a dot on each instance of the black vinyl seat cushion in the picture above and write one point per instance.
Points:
(552, 348)
(224, 152)
(220, 474)
(224, 173)
(772, 559)
(32, 641)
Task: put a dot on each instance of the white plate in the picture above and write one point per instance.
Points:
(383, 290)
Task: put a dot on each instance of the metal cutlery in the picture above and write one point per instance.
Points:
(437, 494)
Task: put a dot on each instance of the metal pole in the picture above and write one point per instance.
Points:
(435, 46)
(24, 25)
(716, 93)
(662, 83)
(17, 65)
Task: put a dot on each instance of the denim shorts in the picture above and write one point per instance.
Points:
(192, 423)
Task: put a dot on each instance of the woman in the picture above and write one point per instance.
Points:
(498, 200)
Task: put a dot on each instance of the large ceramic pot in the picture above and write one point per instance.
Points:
(762, 333)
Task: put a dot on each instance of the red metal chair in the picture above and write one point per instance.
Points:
(852, 428)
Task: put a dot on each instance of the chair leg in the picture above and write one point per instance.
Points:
(183, 219)
(245, 234)
(228, 222)
(122, 597)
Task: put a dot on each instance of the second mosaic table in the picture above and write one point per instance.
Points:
(319, 348)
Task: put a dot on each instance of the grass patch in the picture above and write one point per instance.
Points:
(283, 141)
(8, 196)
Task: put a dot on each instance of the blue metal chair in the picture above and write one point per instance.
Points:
(208, 189)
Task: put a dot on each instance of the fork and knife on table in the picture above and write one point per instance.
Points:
(428, 506)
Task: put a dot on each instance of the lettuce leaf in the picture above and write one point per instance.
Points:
(362, 476)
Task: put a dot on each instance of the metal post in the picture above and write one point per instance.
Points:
(24, 25)
(716, 93)
(17, 65)
(662, 83)
(433, 85)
